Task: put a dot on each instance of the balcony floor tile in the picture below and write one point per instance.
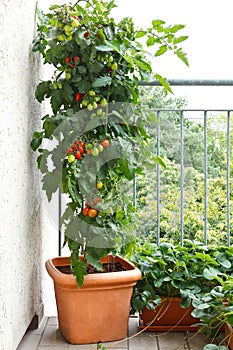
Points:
(48, 337)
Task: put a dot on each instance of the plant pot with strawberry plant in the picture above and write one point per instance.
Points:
(98, 135)
(215, 311)
(175, 283)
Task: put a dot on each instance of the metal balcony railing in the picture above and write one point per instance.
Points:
(199, 115)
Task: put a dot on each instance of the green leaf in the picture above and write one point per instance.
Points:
(79, 270)
(56, 101)
(222, 259)
(210, 273)
(163, 82)
(68, 213)
(103, 48)
(51, 182)
(174, 29)
(182, 56)
(102, 81)
(140, 34)
(160, 161)
(43, 90)
(214, 347)
(157, 23)
(94, 255)
(179, 39)
(143, 65)
(37, 140)
(42, 164)
(150, 41)
(74, 190)
(161, 50)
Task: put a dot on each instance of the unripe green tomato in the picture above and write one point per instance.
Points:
(95, 152)
(100, 148)
(99, 112)
(95, 105)
(114, 66)
(103, 102)
(74, 23)
(84, 103)
(91, 93)
(89, 107)
(93, 115)
(67, 28)
(88, 145)
(61, 37)
(110, 59)
(71, 158)
(55, 86)
(68, 76)
(69, 38)
(59, 85)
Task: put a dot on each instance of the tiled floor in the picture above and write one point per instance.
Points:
(48, 337)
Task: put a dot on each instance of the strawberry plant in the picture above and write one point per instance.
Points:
(98, 129)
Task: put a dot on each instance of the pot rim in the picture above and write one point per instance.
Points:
(94, 281)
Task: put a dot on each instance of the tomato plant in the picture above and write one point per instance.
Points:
(97, 65)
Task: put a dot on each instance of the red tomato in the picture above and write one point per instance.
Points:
(81, 150)
(86, 34)
(78, 96)
(96, 200)
(85, 211)
(78, 155)
(77, 58)
(67, 59)
(105, 143)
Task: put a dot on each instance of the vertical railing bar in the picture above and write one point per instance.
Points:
(59, 222)
(158, 180)
(205, 178)
(228, 179)
(181, 178)
(135, 191)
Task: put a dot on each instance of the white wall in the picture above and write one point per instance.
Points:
(20, 205)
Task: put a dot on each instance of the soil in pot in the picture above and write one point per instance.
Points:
(107, 267)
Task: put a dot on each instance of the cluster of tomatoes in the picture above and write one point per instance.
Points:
(89, 211)
(72, 61)
(78, 149)
(90, 100)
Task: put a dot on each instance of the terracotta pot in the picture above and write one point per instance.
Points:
(170, 316)
(229, 336)
(97, 312)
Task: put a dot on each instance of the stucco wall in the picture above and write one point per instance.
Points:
(20, 223)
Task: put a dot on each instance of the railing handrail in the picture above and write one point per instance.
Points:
(190, 82)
